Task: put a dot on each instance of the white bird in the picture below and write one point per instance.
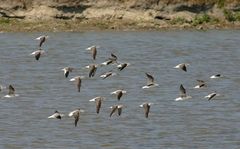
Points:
(76, 115)
(150, 82)
(56, 115)
(146, 107)
(119, 93)
(182, 66)
(183, 95)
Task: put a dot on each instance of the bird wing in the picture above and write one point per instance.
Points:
(146, 109)
(150, 78)
(98, 105)
(76, 117)
(37, 55)
(119, 111)
(183, 67)
(113, 56)
(182, 90)
(213, 95)
(42, 40)
(114, 108)
(122, 66)
(11, 90)
(92, 71)
(119, 95)
(79, 82)
(94, 52)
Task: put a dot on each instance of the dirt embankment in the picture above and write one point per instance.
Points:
(74, 15)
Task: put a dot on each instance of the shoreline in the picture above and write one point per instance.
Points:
(15, 25)
(118, 15)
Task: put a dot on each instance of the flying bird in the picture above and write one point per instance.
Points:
(93, 49)
(11, 92)
(119, 93)
(67, 70)
(117, 108)
(211, 95)
(92, 70)
(76, 115)
(216, 76)
(182, 66)
(98, 101)
(150, 82)
(111, 60)
(56, 115)
(107, 74)
(200, 84)
(78, 81)
(42, 39)
(183, 95)
(38, 53)
(146, 107)
(122, 66)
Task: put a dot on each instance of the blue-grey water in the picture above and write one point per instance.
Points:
(193, 123)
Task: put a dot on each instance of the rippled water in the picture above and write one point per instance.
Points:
(194, 123)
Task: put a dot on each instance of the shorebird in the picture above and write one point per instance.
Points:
(146, 107)
(42, 39)
(211, 95)
(122, 66)
(107, 74)
(38, 53)
(76, 115)
(56, 115)
(11, 92)
(78, 80)
(115, 108)
(216, 76)
(150, 81)
(119, 93)
(98, 101)
(201, 84)
(182, 66)
(183, 95)
(92, 70)
(93, 49)
(67, 70)
(111, 60)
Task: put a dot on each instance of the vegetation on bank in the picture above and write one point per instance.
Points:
(230, 16)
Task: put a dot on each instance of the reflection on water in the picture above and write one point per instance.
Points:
(195, 123)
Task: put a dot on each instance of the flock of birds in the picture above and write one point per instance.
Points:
(112, 60)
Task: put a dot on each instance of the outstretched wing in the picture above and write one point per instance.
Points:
(150, 78)
(182, 90)
(114, 108)
(11, 90)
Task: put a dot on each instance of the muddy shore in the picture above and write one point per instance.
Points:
(81, 15)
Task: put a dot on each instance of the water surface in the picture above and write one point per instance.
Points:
(195, 123)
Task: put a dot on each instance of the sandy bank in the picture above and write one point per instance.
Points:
(77, 15)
